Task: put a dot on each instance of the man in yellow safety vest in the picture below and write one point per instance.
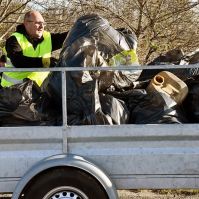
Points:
(30, 46)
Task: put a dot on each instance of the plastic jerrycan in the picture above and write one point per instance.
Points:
(170, 84)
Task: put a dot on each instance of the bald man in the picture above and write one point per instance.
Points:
(30, 46)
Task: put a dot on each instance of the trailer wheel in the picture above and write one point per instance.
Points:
(64, 183)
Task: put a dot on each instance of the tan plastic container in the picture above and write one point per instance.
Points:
(170, 84)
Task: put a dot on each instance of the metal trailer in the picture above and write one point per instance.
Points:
(46, 162)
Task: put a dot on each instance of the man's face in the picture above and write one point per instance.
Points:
(34, 25)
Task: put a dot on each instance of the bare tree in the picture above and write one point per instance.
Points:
(10, 14)
(160, 25)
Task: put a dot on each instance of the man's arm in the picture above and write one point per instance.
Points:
(14, 52)
(57, 40)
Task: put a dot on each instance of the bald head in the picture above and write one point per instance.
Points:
(34, 24)
(32, 15)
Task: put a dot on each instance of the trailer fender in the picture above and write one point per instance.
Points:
(66, 160)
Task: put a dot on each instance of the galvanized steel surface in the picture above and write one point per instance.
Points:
(21, 147)
(142, 156)
(135, 156)
(123, 67)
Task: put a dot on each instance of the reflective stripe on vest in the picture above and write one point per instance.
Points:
(10, 79)
(43, 50)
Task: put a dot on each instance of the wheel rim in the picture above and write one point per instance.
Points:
(65, 192)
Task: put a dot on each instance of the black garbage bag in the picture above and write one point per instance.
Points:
(191, 103)
(131, 98)
(93, 42)
(26, 105)
(172, 57)
(52, 86)
(193, 57)
(50, 112)
(9, 100)
(118, 80)
(140, 106)
(182, 73)
(96, 33)
(26, 108)
(16, 99)
(90, 107)
(84, 108)
(115, 110)
(156, 108)
(45, 115)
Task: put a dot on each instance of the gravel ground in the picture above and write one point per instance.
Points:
(149, 194)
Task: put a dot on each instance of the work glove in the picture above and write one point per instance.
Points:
(49, 62)
(46, 62)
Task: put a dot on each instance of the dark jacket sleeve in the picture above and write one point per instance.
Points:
(57, 40)
(3, 58)
(14, 52)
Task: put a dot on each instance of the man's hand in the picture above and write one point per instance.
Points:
(46, 62)
(49, 62)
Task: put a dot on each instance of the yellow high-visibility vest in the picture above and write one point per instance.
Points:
(43, 50)
(126, 57)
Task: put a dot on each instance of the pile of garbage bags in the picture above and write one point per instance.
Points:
(25, 104)
(106, 97)
(92, 42)
(174, 57)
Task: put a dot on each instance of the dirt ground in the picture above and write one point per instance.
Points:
(159, 194)
(149, 194)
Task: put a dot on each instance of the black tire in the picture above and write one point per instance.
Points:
(64, 182)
